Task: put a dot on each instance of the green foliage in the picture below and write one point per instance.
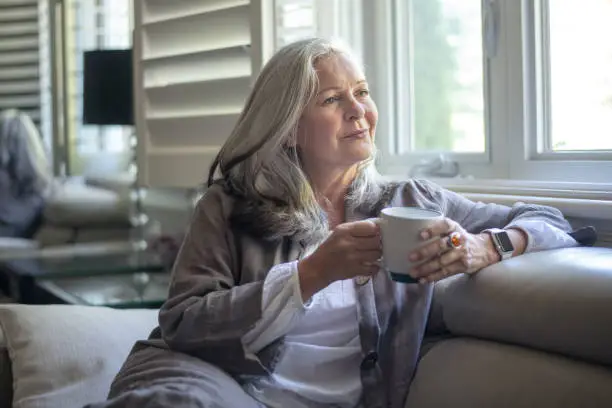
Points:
(434, 65)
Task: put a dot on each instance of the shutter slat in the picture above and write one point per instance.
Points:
(18, 43)
(17, 101)
(208, 96)
(200, 66)
(21, 87)
(19, 58)
(162, 11)
(18, 14)
(19, 28)
(13, 74)
(179, 169)
(8, 4)
(219, 29)
(191, 131)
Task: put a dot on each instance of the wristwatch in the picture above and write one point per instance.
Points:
(502, 242)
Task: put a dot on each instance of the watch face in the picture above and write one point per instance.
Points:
(504, 242)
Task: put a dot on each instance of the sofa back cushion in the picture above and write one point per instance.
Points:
(67, 356)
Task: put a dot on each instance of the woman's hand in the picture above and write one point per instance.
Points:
(352, 249)
(443, 260)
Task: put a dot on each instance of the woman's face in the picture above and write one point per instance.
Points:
(336, 130)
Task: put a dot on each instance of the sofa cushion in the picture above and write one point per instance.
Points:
(470, 373)
(559, 301)
(67, 356)
(10, 246)
(74, 204)
(120, 183)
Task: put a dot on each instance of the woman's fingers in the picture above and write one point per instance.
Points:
(440, 229)
(440, 264)
(361, 229)
(444, 272)
(429, 250)
(443, 227)
(367, 243)
(370, 255)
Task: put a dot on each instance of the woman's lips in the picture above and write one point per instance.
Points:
(357, 134)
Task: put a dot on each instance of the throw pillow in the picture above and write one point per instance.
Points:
(66, 355)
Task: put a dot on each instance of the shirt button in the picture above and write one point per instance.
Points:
(369, 361)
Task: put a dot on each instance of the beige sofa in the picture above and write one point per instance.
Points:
(78, 211)
(534, 331)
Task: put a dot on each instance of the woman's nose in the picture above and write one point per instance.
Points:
(355, 110)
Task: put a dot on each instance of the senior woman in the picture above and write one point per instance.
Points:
(276, 298)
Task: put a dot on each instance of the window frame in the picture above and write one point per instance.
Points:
(385, 46)
(587, 166)
(514, 125)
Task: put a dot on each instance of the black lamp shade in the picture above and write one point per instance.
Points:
(108, 87)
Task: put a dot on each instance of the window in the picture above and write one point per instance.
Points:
(506, 89)
(441, 97)
(480, 82)
(559, 84)
(295, 19)
(100, 24)
(578, 74)
(86, 25)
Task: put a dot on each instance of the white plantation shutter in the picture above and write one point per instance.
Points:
(194, 64)
(19, 57)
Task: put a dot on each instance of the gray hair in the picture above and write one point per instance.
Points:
(259, 163)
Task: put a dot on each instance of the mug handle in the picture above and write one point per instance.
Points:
(378, 221)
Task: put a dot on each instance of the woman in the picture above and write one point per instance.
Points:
(276, 299)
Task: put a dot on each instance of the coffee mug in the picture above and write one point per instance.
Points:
(400, 229)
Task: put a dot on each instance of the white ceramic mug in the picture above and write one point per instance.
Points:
(400, 228)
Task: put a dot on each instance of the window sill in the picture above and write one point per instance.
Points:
(579, 200)
(570, 207)
(530, 188)
(584, 203)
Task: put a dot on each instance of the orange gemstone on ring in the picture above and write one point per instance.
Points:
(455, 240)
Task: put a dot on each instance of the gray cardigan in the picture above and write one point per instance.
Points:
(216, 289)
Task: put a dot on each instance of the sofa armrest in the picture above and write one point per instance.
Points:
(559, 301)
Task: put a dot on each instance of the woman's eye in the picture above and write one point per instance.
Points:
(363, 93)
(330, 100)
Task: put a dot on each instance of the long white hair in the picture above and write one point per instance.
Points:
(259, 163)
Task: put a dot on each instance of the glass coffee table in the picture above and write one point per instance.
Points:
(123, 280)
(136, 290)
